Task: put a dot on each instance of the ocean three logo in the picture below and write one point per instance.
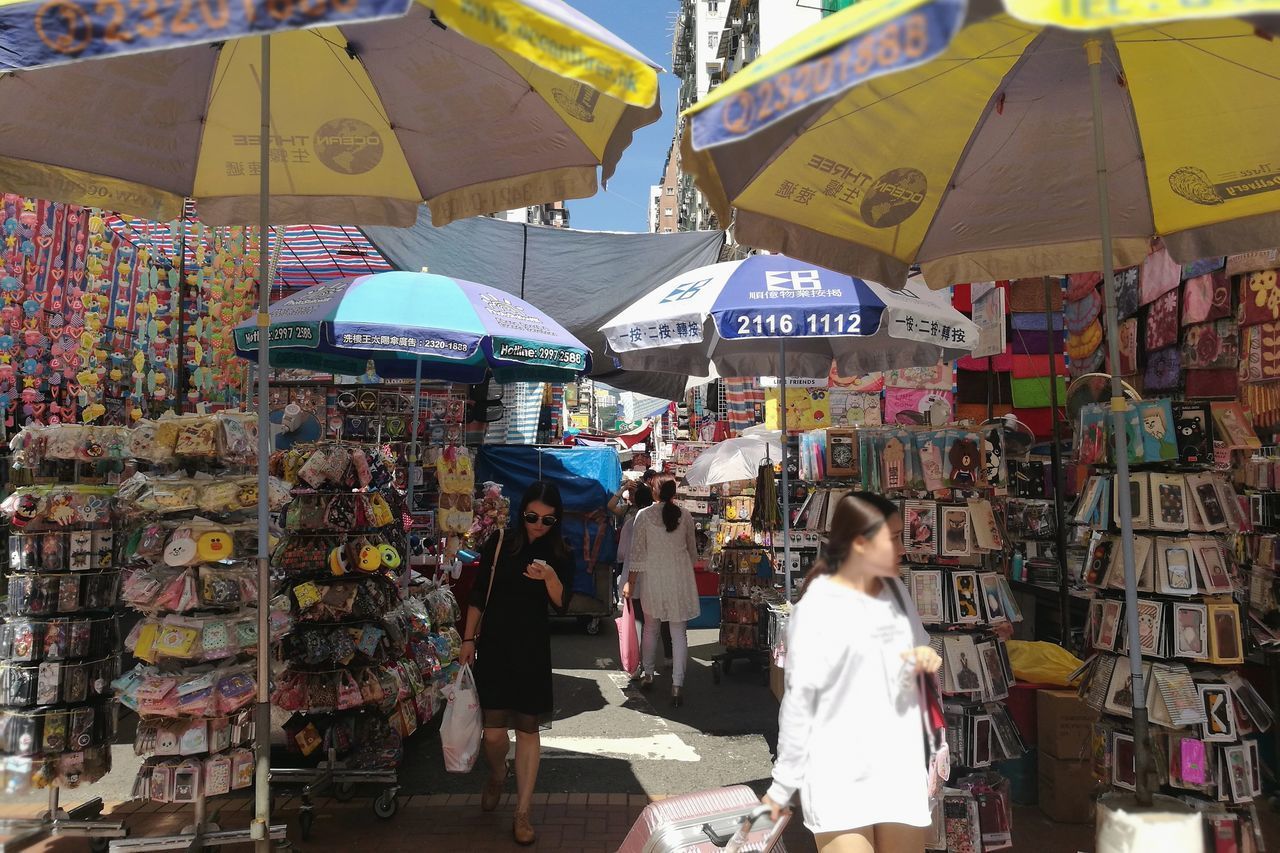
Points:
(348, 145)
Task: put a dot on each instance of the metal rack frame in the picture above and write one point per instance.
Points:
(82, 821)
(341, 782)
(759, 654)
(199, 834)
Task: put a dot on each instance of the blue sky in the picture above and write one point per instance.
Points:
(646, 25)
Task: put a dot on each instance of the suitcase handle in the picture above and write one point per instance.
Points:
(731, 843)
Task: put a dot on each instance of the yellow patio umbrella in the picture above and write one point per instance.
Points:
(470, 105)
(972, 159)
(961, 137)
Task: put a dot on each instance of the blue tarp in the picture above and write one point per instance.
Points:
(586, 477)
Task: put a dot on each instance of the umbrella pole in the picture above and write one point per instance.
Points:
(413, 453)
(1119, 407)
(786, 457)
(1059, 474)
(262, 758)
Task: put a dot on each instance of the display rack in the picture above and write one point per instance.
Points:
(746, 579)
(60, 642)
(187, 538)
(359, 666)
(948, 480)
(1190, 526)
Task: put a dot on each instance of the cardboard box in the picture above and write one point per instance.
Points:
(1066, 789)
(1064, 724)
(776, 681)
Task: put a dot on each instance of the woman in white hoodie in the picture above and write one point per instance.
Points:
(850, 734)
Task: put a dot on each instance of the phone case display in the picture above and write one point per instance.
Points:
(746, 587)
(353, 676)
(956, 534)
(60, 642)
(1032, 525)
(1195, 549)
(1260, 546)
(195, 584)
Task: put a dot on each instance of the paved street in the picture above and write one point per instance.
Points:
(609, 751)
(611, 737)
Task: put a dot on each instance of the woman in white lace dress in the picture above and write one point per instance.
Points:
(663, 550)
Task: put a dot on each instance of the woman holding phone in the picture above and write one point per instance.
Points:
(508, 636)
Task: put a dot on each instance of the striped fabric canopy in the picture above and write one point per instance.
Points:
(311, 253)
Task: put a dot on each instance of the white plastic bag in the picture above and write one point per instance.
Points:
(461, 728)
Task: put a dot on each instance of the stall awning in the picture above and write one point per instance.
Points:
(581, 278)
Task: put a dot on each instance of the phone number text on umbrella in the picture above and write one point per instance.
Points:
(798, 325)
(58, 31)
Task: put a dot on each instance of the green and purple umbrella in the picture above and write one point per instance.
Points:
(453, 330)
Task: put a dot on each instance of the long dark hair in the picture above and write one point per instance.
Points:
(858, 514)
(643, 496)
(667, 495)
(549, 494)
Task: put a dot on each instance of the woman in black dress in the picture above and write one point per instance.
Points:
(512, 651)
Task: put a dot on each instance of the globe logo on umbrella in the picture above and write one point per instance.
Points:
(348, 145)
(891, 201)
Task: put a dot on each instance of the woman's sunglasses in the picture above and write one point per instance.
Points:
(534, 518)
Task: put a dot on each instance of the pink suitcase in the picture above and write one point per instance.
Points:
(726, 820)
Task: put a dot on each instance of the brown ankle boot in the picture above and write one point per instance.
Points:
(522, 830)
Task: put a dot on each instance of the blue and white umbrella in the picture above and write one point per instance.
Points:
(734, 315)
(771, 315)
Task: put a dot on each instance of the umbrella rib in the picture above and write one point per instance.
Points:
(335, 48)
(1188, 43)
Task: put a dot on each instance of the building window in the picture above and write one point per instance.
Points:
(713, 7)
(671, 190)
(666, 230)
(667, 211)
(713, 39)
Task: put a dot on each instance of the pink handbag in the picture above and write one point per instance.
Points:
(936, 751)
(628, 645)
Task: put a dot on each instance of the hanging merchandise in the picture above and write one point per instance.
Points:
(1194, 555)
(363, 664)
(766, 515)
(60, 640)
(958, 537)
(457, 478)
(187, 544)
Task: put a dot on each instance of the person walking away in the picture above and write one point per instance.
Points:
(624, 504)
(641, 495)
(511, 647)
(664, 549)
(850, 739)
